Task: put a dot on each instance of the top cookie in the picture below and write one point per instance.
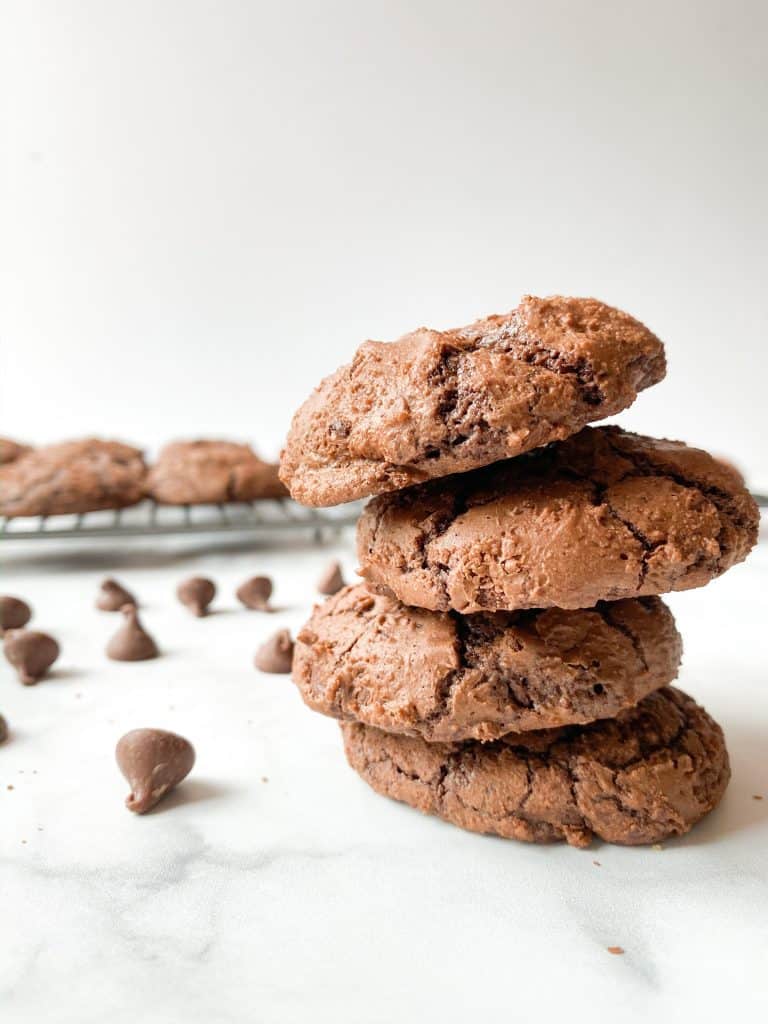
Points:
(75, 476)
(602, 516)
(211, 472)
(440, 402)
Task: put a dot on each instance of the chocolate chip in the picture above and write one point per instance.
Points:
(196, 593)
(276, 655)
(3, 729)
(30, 653)
(255, 593)
(153, 762)
(331, 581)
(131, 642)
(14, 613)
(112, 596)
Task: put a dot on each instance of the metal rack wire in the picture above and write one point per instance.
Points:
(262, 519)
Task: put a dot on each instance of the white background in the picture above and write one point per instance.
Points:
(207, 205)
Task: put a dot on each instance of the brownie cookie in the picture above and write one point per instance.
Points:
(11, 450)
(649, 774)
(212, 472)
(75, 476)
(440, 402)
(603, 515)
(444, 676)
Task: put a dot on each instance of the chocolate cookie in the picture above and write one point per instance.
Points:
(440, 402)
(75, 476)
(649, 774)
(444, 676)
(11, 450)
(601, 516)
(212, 472)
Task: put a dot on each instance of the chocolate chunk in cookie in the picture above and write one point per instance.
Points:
(443, 676)
(75, 476)
(649, 774)
(602, 516)
(440, 402)
(212, 472)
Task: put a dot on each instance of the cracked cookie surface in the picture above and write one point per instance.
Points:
(212, 472)
(366, 657)
(441, 402)
(71, 477)
(603, 515)
(645, 776)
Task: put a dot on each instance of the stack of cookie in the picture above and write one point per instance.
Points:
(506, 664)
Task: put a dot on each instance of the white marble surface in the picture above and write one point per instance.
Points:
(275, 886)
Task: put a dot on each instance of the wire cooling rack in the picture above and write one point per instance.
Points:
(263, 519)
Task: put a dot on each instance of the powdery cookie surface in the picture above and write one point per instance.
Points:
(74, 476)
(649, 774)
(440, 402)
(212, 472)
(442, 676)
(603, 515)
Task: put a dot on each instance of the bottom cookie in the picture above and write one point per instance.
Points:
(650, 773)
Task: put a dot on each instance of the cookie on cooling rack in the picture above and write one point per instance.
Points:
(74, 476)
(212, 472)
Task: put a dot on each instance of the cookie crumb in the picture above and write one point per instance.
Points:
(10, 786)
(597, 863)
(23, 842)
(615, 950)
(264, 778)
(657, 846)
(756, 796)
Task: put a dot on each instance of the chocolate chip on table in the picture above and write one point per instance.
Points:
(331, 580)
(131, 642)
(113, 596)
(276, 654)
(196, 593)
(14, 613)
(255, 593)
(152, 761)
(31, 653)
